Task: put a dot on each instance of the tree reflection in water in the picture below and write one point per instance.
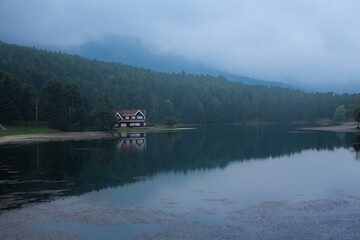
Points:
(356, 146)
(42, 172)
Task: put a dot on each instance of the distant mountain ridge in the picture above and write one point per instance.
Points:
(253, 81)
(131, 51)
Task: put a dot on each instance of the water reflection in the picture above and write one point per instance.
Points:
(355, 144)
(42, 172)
(132, 142)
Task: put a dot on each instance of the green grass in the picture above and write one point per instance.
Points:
(26, 128)
(131, 129)
(168, 128)
(146, 129)
(326, 122)
(31, 128)
(257, 123)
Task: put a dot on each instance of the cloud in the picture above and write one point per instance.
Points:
(302, 42)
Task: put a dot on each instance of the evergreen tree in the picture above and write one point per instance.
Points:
(192, 111)
(52, 104)
(103, 117)
(191, 98)
(171, 121)
(9, 111)
(354, 110)
(76, 105)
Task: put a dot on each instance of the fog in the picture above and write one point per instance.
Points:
(312, 44)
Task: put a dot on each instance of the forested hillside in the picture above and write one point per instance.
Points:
(31, 73)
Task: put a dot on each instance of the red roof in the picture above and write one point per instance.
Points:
(130, 112)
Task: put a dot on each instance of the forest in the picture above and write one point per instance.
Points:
(74, 93)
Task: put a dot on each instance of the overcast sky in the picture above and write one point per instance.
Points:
(301, 42)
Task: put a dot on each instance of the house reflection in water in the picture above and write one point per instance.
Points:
(132, 141)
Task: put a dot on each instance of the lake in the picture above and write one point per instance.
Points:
(210, 182)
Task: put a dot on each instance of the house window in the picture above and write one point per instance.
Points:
(137, 124)
(126, 117)
(139, 117)
(132, 117)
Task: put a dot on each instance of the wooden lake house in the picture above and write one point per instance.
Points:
(131, 118)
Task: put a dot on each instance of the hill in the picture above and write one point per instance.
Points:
(130, 51)
(189, 97)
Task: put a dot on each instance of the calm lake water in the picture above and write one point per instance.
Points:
(157, 185)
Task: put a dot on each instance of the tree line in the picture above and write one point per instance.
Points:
(62, 106)
(76, 93)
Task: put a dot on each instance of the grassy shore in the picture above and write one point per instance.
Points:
(28, 133)
(150, 129)
(139, 129)
(26, 128)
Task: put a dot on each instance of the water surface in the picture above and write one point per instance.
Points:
(140, 184)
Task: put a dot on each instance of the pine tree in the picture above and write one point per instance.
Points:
(102, 117)
(9, 111)
(52, 104)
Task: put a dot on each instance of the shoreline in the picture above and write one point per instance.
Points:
(70, 136)
(53, 137)
(346, 127)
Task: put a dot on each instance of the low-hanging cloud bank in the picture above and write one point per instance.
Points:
(301, 42)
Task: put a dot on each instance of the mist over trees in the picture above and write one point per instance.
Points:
(73, 93)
